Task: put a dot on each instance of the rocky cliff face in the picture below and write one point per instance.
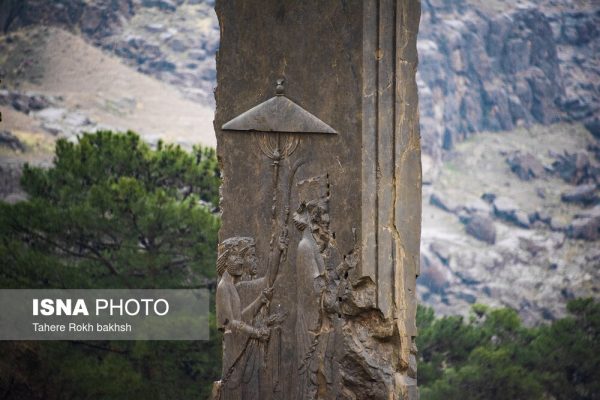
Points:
(174, 41)
(97, 19)
(495, 66)
(512, 218)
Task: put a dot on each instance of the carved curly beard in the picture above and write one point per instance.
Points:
(321, 235)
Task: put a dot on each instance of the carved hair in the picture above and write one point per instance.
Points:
(313, 193)
(231, 248)
(301, 218)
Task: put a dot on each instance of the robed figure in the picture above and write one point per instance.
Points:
(243, 316)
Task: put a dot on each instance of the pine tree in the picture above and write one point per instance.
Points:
(112, 213)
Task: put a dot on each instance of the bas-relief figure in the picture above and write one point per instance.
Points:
(242, 316)
(312, 220)
(243, 301)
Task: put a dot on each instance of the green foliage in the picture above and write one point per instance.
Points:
(568, 353)
(112, 213)
(493, 356)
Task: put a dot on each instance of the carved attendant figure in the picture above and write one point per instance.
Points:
(312, 219)
(239, 305)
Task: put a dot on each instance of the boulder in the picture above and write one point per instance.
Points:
(573, 168)
(478, 206)
(24, 102)
(531, 246)
(20, 103)
(77, 120)
(155, 28)
(504, 207)
(488, 197)
(442, 251)
(7, 139)
(541, 216)
(508, 210)
(525, 166)
(586, 194)
(541, 192)
(587, 228)
(166, 5)
(558, 224)
(442, 202)
(178, 45)
(52, 114)
(482, 228)
(434, 275)
(52, 128)
(38, 102)
(522, 219)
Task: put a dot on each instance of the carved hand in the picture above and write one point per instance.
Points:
(264, 333)
(284, 241)
(267, 295)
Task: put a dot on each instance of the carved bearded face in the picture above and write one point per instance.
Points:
(235, 265)
(315, 216)
(237, 256)
(320, 225)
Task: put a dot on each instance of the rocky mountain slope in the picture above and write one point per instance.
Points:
(506, 224)
(57, 84)
(512, 217)
(494, 66)
(172, 40)
(509, 100)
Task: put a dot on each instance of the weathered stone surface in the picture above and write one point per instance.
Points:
(319, 243)
(585, 194)
(434, 274)
(508, 210)
(587, 228)
(586, 225)
(25, 102)
(483, 69)
(442, 203)
(573, 167)
(482, 228)
(441, 251)
(9, 140)
(526, 166)
(522, 219)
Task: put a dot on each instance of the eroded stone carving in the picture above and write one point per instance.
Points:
(278, 114)
(349, 201)
(312, 324)
(243, 316)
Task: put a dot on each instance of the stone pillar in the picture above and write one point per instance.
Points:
(318, 141)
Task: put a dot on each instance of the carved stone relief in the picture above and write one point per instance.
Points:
(248, 321)
(244, 316)
(324, 175)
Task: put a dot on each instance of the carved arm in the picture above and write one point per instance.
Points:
(253, 308)
(256, 333)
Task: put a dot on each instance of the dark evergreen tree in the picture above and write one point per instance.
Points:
(112, 213)
(492, 356)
